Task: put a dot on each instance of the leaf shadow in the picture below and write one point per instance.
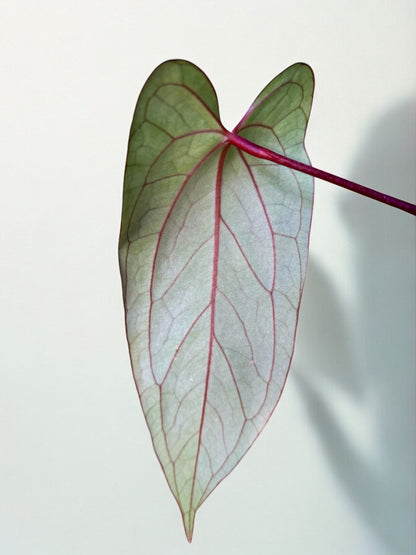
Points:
(369, 358)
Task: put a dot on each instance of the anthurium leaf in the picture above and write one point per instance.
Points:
(213, 253)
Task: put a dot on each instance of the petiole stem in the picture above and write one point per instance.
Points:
(266, 154)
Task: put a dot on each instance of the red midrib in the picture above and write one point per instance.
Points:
(217, 217)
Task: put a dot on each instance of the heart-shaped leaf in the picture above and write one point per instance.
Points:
(213, 253)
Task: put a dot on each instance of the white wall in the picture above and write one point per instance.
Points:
(334, 470)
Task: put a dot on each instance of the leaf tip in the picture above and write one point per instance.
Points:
(188, 523)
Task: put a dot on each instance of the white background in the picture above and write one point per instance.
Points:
(333, 472)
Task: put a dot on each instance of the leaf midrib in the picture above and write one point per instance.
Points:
(217, 218)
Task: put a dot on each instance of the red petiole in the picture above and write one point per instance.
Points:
(266, 154)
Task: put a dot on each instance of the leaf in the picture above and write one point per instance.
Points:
(213, 254)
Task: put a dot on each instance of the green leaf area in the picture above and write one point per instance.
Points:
(213, 253)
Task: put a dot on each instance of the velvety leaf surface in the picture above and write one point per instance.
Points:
(213, 253)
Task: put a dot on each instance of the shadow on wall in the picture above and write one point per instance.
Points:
(367, 357)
